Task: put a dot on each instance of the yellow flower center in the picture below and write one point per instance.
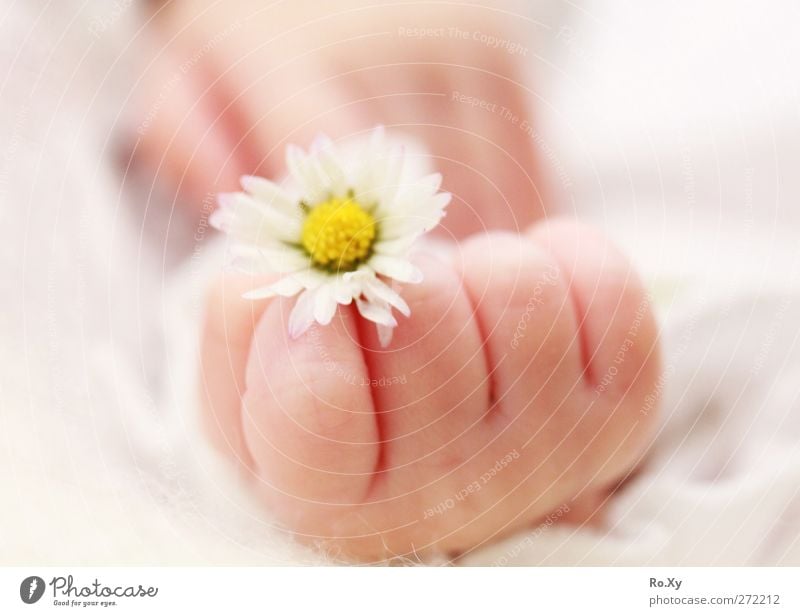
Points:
(338, 234)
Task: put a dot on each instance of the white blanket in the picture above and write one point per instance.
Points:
(100, 461)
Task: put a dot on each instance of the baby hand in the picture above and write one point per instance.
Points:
(516, 388)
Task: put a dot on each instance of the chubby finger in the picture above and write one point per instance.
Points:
(309, 421)
(227, 333)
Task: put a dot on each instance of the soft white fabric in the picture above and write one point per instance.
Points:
(99, 457)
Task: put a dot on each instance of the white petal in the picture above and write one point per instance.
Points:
(385, 293)
(218, 219)
(385, 334)
(399, 227)
(392, 173)
(431, 183)
(438, 203)
(420, 218)
(377, 136)
(376, 313)
(287, 261)
(396, 247)
(246, 264)
(393, 267)
(285, 287)
(327, 159)
(312, 183)
(302, 316)
(379, 178)
(260, 293)
(363, 271)
(252, 221)
(270, 193)
(312, 278)
(344, 291)
(324, 304)
(276, 257)
(369, 172)
(375, 143)
(295, 162)
(414, 194)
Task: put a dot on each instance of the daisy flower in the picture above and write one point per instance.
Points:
(337, 231)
